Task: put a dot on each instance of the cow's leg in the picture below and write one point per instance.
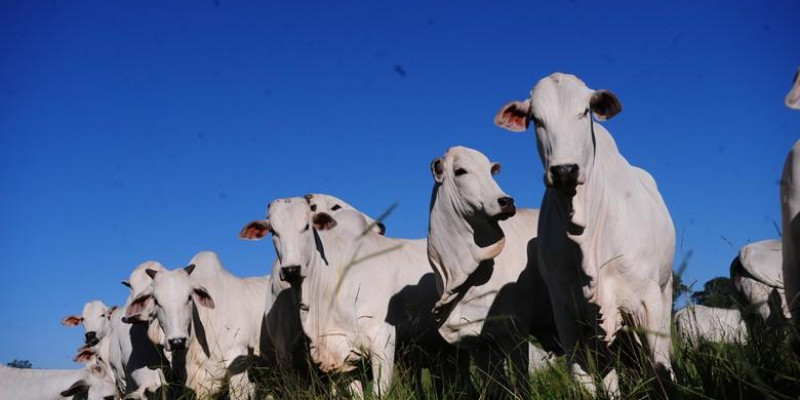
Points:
(658, 309)
(382, 361)
(240, 386)
(611, 384)
(520, 364)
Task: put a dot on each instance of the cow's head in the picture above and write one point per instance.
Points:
(793, 97)
(171, 298)
(466, 179)
(96, 320)
(138, 282)
(95, 383)
(292, 225)
(561, 109)
(333, 205)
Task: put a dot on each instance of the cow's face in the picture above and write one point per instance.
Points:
(171, 298)
(467, 179)
(561, 109)
(291, 223)
(334, 206)
(793, 97)
(95, 383)
(96, 320)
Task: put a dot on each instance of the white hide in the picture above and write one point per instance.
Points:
(720, 325)
(485, 260)
(361, 293)
(607, 241)
(758, 277)
(225, 328)
(790, 215)
(92, 381)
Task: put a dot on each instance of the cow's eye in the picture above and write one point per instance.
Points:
(313, 207)
(537, 122)
(306, 228)
(335, 207)
(584, 113)
(460, 171)
(155, 301)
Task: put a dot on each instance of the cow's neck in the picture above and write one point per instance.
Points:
(458, 243)
(321, 290)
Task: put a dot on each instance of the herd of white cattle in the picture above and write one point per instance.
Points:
(596, 257)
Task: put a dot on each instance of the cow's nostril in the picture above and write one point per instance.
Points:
(177, 343)
(564, 174)
(505, 201)
(290, 273)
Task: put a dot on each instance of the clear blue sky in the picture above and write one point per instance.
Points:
(151, 130)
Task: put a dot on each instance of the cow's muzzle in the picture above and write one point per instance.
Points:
(507, 208)
(565, 176)
(290, 273)
(177, 344)
(90, 338)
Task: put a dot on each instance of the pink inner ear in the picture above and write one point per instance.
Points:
(72, 320)
(84, 356)
(254, 230)
(202, 297)
(514, 116)
(137, 306)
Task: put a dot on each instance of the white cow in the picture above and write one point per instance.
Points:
(134, 359)
(95, 318)
(758, 278)
(696, 323)
(607, 240)
(92, 382)
(483, 250)
(790, 216)
(211, 323)
(362, 294)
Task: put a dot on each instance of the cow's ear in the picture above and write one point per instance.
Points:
(255, 230)
(437, 169)
(202, 297)
(127, 283)
(72, 320)
(85, 354)
(140, 306)
(605, 105)
(793, 97)
(79, 387)
(496, 168)
(323, 221)
(151, 272)
(514, 116)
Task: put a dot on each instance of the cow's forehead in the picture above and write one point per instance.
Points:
(166, 283)
(559, 92)
(465, 155)
(94, 307)
(291, 209)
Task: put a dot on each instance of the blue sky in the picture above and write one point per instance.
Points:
(150, 130)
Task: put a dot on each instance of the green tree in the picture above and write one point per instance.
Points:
(20, 364)
(718, 292)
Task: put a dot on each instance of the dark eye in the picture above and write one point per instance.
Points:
(335, 207)
(306, 228)
(585, 113)
(460, 171)
(155, 301)
(314, 207)
(537, 122)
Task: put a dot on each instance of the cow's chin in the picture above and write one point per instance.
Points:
(566, 190)
(504, 215)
